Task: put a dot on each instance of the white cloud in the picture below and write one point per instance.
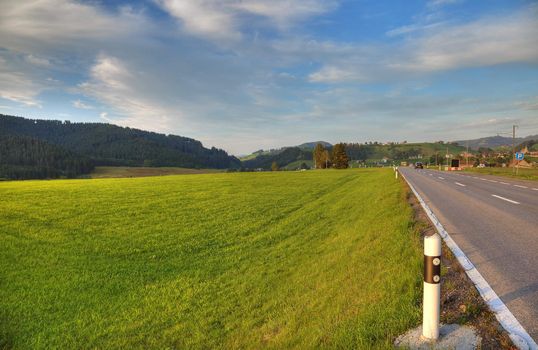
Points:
(81, 105)
(489, 41)
(223, 19)
(37, 61)
(40, 24)
(331, 74)
(285, 12)
(439, 3)
(484, 42)
(205, 18)
(413, 28)
(18, 87)
(530, 104)
(115, 85)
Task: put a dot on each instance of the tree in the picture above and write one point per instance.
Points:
(274, 166)
(339, 156)
(318, 154)
(325, 160)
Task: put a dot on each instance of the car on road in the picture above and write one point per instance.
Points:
(419, 165)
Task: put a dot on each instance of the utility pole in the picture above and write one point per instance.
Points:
(467, 156)
(447, 157)
(514, 147)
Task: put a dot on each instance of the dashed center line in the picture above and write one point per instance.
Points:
(493, 181)
(535, 189)
(505, 199)
(457, 183)
(520, 186)
(505, 183)
(442, 178)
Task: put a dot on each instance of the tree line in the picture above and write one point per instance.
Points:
(24, 157)
(106, 144)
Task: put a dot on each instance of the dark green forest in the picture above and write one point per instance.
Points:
(94, 144)
(24, 157)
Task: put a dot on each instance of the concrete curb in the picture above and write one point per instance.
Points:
(515, 330)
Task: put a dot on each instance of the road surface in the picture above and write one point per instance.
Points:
(494, 220)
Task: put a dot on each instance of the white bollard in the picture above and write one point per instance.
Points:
(432, 287)
(396, 173)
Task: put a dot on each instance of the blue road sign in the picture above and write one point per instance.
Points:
(519, 156)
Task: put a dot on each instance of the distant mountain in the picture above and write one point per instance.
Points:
(494, 141)
(312, 145)
(107, 144)
(283, 157)
(307, 146)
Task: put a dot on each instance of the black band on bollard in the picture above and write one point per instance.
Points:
(432, 269)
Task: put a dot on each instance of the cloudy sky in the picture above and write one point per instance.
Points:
(248, 74)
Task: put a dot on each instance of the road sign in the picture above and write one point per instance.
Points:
(519, 156)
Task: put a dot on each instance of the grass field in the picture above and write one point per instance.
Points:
(524, 174)
(315, 259)
(125, 171)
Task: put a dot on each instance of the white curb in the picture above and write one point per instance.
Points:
(515, 330)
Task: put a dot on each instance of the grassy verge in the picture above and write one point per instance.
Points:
(523, 174)
(312, 259)
(123, 171)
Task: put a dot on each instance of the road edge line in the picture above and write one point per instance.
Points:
(522, 340)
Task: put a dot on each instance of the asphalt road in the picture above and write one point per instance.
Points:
(494, 220)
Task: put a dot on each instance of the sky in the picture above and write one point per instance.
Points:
(244, 75)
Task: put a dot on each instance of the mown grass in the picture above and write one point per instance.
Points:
(125, 171)
(316, 259)
(523, 173)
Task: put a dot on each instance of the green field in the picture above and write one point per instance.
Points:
(314, 259)
(523, 173)
(125, 171)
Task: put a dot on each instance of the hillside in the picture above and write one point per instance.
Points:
(307, 146)
(106, 144)
(312, 145)
(23, 157)
(282, 158)
(494, 141)
(369, 153)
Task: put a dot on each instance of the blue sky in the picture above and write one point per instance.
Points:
(243, 75)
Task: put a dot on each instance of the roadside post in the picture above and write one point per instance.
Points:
(396, 171)
(432, 287)
(519, 156)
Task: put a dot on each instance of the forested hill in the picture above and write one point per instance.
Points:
(23, 157)
(106, 144)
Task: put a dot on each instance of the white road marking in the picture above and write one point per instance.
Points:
(430, 174)
(493, 181)
(483, 179)
(520, 186)
(515, 330)
(474, 177)
(535, 189)
(457, 183)
(505, 199)
(505, 183)
(442, 178)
